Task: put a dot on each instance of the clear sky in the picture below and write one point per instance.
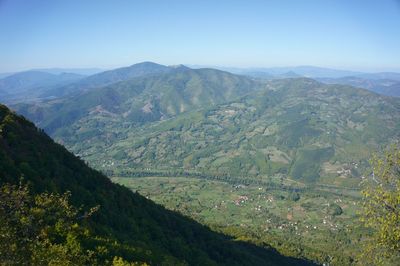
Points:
(347, 34)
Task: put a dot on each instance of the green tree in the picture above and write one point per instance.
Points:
(118, 261)
(381, 211)
(294, 196)
(41, 229)
(334, 209)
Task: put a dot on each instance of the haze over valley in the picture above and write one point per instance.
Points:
(269, 137)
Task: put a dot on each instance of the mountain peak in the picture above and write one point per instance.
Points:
(147, 64)
(179, 67)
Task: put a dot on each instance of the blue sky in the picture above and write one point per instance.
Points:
(348, 34)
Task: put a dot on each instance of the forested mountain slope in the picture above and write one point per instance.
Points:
(149, 232)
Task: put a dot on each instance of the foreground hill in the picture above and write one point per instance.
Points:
(149, 232)
(299, 128)
(142, 99)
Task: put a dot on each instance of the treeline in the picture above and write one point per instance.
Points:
(235, 180)
(227, 178)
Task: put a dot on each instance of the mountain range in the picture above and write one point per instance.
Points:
(148, 97)
(39, 85)
(386, 83)
(214, 122)
(58, 70)
(308, 71)
(109, 77)
(29, 85)
(261, 136)
(305, 71)
(384, 86)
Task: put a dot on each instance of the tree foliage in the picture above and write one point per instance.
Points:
(41, 229)
(45, 229)
(381, 210)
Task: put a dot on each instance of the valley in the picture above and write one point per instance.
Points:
(278, 163)
(315, 223)
(125, 226)
(200, 133)
(297, 128)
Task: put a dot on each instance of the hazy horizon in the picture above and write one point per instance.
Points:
(358, 35)
(223, 67)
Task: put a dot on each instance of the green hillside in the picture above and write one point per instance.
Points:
(107, 77)
(299, 128)
(147, 232)
(287, 146)
(143, 99)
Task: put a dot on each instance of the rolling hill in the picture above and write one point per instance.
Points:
(300, 128)
(147, 231)
(143, 99)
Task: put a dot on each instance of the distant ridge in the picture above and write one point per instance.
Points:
(109, 77)
(79, 71)
(31, 84)
(150, 97)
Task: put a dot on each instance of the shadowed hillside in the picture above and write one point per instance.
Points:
(150, 232)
